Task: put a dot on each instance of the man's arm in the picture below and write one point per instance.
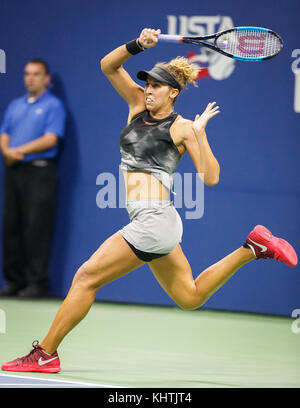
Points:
(4, 142)
(45, 142)
(11, 156)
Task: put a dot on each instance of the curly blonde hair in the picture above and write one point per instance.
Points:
(181, 70)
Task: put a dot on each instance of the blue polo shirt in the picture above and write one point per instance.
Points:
(25, 121)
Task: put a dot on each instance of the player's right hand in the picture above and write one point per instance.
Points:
(149, 37)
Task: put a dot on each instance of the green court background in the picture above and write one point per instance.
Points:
(146, 346)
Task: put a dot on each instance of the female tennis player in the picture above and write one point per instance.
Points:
(152, 144)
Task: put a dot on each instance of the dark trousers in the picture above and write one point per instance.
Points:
(28, 217)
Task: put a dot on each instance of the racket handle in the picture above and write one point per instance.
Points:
(169, 38)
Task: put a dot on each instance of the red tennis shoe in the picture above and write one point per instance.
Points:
(36, 361)
(265, 245)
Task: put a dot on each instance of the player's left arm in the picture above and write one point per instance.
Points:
(196, 143)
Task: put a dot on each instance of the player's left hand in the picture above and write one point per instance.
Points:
(200, 121)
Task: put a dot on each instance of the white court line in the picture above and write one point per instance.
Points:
(59, 381)
(20, 385)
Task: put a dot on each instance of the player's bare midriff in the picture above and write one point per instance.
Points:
(142, 185)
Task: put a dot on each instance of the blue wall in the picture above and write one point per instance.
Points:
(255, 138)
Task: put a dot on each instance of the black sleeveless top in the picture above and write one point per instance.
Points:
(146, 144)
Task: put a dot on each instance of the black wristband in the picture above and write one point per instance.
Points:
(133, 48)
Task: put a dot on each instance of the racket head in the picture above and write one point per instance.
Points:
(249, 43)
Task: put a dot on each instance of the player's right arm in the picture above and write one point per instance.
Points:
(112, 67)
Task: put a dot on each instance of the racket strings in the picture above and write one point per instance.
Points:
(249, 43)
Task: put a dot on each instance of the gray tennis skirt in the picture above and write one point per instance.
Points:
(155, 228)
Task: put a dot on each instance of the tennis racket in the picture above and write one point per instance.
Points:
(240, 43)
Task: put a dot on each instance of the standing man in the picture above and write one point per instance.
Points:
(29, 134)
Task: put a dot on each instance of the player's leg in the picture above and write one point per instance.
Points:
(174, 274)
(113, 259)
